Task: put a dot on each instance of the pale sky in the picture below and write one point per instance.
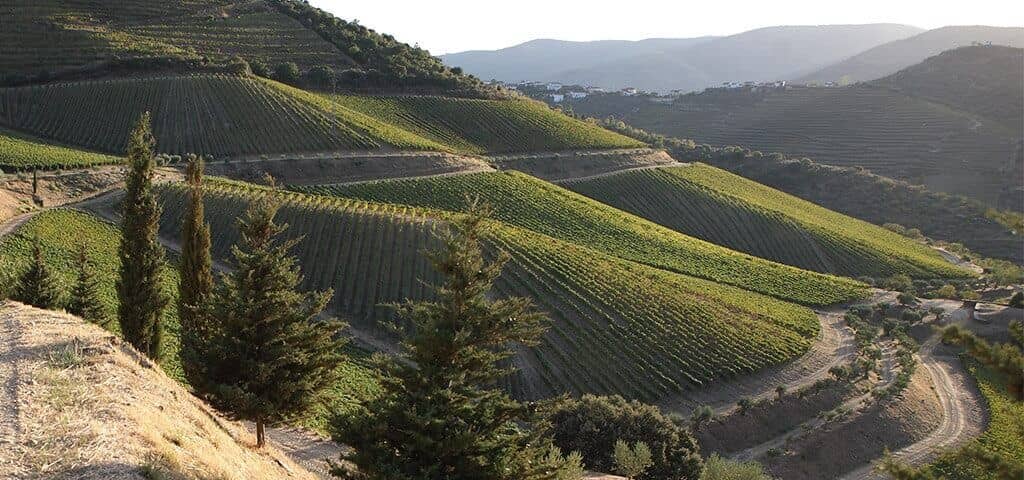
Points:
(447, 26)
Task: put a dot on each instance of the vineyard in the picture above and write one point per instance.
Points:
(217, 115)
(486, 126)
(101, 240)
(889, 133)
(616, 326)
(49, 34)
(729, 210)
(527, 202)
(21, 152)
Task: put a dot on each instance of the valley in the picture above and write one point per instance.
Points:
(222, 218)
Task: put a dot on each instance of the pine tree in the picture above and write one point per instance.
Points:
(271, 358)
(440, 416)
(37, 286)
(196, 283)
(141, 298)
(85, 297)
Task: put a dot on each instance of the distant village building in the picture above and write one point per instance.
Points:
(557, 97)
(595, 90)
(554, 86)
(577, 95)
(629, 91)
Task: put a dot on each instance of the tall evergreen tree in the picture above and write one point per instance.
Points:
(196, 282)
(141, 297)
(37, 286)
(85, 297)
(271, 358)
(440, 415)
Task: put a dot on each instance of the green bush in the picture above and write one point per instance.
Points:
(593, 424)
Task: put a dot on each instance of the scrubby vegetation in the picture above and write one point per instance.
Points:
(618, 327)
(728, 210)
(530, 203)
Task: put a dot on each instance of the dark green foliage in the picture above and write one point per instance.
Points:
(196, 281)
(37, 286)
(259, 68)
(1017, 300)
(141, 298)
(1005, 358)
(87, 296)
(287, 72)
(439, 416)
(271, 358)
(592, 425)
(320, 76)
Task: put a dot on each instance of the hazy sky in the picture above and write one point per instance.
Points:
(446, 26)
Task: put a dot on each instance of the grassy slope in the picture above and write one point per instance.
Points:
(102, 239)
(729, 210)
(530, 203)
(486, 126)
(1005, 432)
(21, 152)
(616, 326)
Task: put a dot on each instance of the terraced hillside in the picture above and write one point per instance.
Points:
(227, 115)
(984, 80)
(485, 126)
(21, 152)
(889, 133)
(729, 210)
(47, 35)
(533, 204)
(616, 326)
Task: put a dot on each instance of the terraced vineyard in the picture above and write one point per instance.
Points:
(486, 126)
(889, 133)
(210, 114)
(616, 326)
(50, 34)
(21, 152)
(729, 210)
(530, 203)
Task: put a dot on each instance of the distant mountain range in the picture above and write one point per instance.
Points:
(765, 54)
(840, 53)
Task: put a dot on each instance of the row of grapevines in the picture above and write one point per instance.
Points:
(21, 152)
(525, 201)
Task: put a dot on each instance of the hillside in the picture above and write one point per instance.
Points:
(48, 38)
(890, 57)
(765, 54)
(530, 203)
(889, 133)
(223, 115)
(616, 326)
(982, 80)
(19, 151)
(731, 211)
(66, 413)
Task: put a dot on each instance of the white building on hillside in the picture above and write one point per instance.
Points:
(557, 97)
(629, 91)
(554, 86)
(577, 95)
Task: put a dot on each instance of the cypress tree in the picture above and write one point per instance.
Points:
(196, 283)
(85, 297)
(440, 415)
(37, 286)
(141, 298)
(272, 359)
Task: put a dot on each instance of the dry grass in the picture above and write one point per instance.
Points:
(89, 407)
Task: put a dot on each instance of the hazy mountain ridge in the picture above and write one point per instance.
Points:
(771, 53)
(891, 57)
